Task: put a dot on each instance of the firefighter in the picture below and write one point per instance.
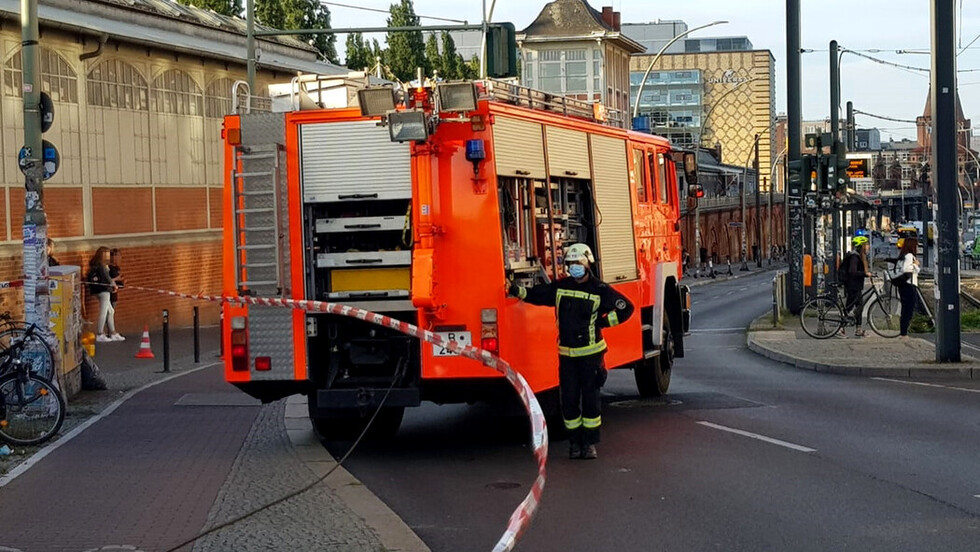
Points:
(583, 305)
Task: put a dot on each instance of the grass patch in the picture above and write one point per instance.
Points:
(970, 320)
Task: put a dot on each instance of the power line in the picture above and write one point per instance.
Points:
(882, 117)
(388, 11)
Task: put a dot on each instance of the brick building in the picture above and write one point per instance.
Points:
(140, 88)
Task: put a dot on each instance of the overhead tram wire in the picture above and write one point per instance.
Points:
(882, 117)
(463, 22)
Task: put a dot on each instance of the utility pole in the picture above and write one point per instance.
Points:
(794, 188)
(36, 301)
(944, 175)
(835, 219)
(250, 43)
(770, 242)
(758, 208)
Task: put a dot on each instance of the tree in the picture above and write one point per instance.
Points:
(224, 7)
(470, 69)
(299, 14)
(434, 58)
(451, 61)
(406, 49)
(359, 54)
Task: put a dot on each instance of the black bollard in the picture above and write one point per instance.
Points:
(166, 340)
(221, 334)
(197, 336)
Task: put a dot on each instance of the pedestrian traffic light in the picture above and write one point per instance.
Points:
(501, 51)
(827, 173)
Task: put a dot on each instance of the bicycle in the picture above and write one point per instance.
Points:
(36, 349)
(32, 409)
(823, 316)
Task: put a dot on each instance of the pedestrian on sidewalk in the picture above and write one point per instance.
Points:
(584, 305)
(49, 249)
(102, 286)
(853, 270)
(906, 277)
(115, 273)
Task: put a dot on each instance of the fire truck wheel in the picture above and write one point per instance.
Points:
(652, 375)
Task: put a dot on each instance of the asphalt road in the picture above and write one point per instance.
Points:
(744, 454)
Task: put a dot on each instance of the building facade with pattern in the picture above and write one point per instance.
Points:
(139, 89)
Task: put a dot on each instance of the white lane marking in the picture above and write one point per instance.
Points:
(970, 346)
(48, 449)
(708, 330)
(923, 384)
(800, 448)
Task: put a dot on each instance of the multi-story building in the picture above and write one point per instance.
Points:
(656, 34)
(575, 50)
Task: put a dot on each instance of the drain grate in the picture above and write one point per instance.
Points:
(503, 485)
(689, 401)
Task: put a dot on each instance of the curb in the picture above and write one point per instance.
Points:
(394, 533)
(863, 371)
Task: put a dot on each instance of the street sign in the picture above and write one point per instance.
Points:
(49, 158)
(47, 112)
(858, 168)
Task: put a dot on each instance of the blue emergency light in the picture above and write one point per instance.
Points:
(475, 153)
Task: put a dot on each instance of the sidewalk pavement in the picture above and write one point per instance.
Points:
(736, 272)
(160, 457)
(869, 356)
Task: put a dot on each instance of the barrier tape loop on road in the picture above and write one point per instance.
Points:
(521, 518)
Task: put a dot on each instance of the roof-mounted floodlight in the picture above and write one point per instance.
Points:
(408, 126)
(457, 97)
(376, 101)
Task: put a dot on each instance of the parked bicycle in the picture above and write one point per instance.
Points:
(35, 349)
(823, 316)
(31, 407)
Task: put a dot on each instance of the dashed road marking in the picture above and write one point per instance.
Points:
(923, 384)
(751, 435)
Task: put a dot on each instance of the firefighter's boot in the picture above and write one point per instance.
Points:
(590, 453)
(574, 451)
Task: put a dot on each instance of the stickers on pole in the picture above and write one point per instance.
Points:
(50, 159)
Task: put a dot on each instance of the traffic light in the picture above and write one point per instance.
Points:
(827, 174)
(843, 179)
(501, 51)
(695, 190)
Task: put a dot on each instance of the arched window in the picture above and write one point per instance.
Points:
(117, 84)
(218, 98)
(174, 91)
(58, 79)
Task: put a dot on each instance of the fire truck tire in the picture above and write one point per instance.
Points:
(652, 375)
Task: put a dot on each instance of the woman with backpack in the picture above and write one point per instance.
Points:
(102, 286)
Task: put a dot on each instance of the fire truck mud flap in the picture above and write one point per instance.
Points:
(685, 308)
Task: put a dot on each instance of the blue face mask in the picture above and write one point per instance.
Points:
(576, 270)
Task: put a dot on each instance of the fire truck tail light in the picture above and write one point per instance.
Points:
(376, 101)
(239, 357)
(234, 136)
(263, 364)
(490, 344)
(238, 323)
(488, 316)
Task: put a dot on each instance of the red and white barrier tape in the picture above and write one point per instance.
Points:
(520, 519)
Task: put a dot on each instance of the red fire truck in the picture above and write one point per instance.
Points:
(423, 205)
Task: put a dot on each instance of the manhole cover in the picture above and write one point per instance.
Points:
(503, 485)
(645, 403)
(217, 399)
(690, 401)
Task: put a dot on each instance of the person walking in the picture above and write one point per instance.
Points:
(584, 305)
(102, 286)
(49, 250)
(906, 277)
(853, 270)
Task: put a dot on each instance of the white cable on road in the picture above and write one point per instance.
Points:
(800, 448)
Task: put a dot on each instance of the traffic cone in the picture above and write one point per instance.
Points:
(145, 351)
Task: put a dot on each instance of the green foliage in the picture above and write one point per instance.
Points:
(359, 55)
(224, 7)
(300, 14)
(433, 57)
(921, 324)
(452, 62)
(970, 320)
(406, 49)
(471, 69)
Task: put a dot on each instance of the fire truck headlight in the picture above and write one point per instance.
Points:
(376, 101)
(457, 97)
(408, 126)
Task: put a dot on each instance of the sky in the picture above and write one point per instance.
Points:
(860, 25)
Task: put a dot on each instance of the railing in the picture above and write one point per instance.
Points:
(722, 202)
(536, 99)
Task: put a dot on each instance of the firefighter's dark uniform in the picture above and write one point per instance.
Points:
(582, 309)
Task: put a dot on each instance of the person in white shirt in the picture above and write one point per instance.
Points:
(907, 270)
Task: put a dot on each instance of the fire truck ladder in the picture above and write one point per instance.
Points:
(257, 221)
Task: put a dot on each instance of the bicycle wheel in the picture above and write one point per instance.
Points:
(31, 409)
(884, 315)
(36, 351)
(821, 317)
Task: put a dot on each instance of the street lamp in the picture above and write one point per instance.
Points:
(639, 92)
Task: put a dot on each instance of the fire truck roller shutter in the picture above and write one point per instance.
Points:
(565, 149)
(346, 161)
(518, 148)
(617, 247)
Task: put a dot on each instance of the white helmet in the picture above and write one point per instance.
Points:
(579, 252)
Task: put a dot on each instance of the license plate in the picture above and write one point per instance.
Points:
(461, 338)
